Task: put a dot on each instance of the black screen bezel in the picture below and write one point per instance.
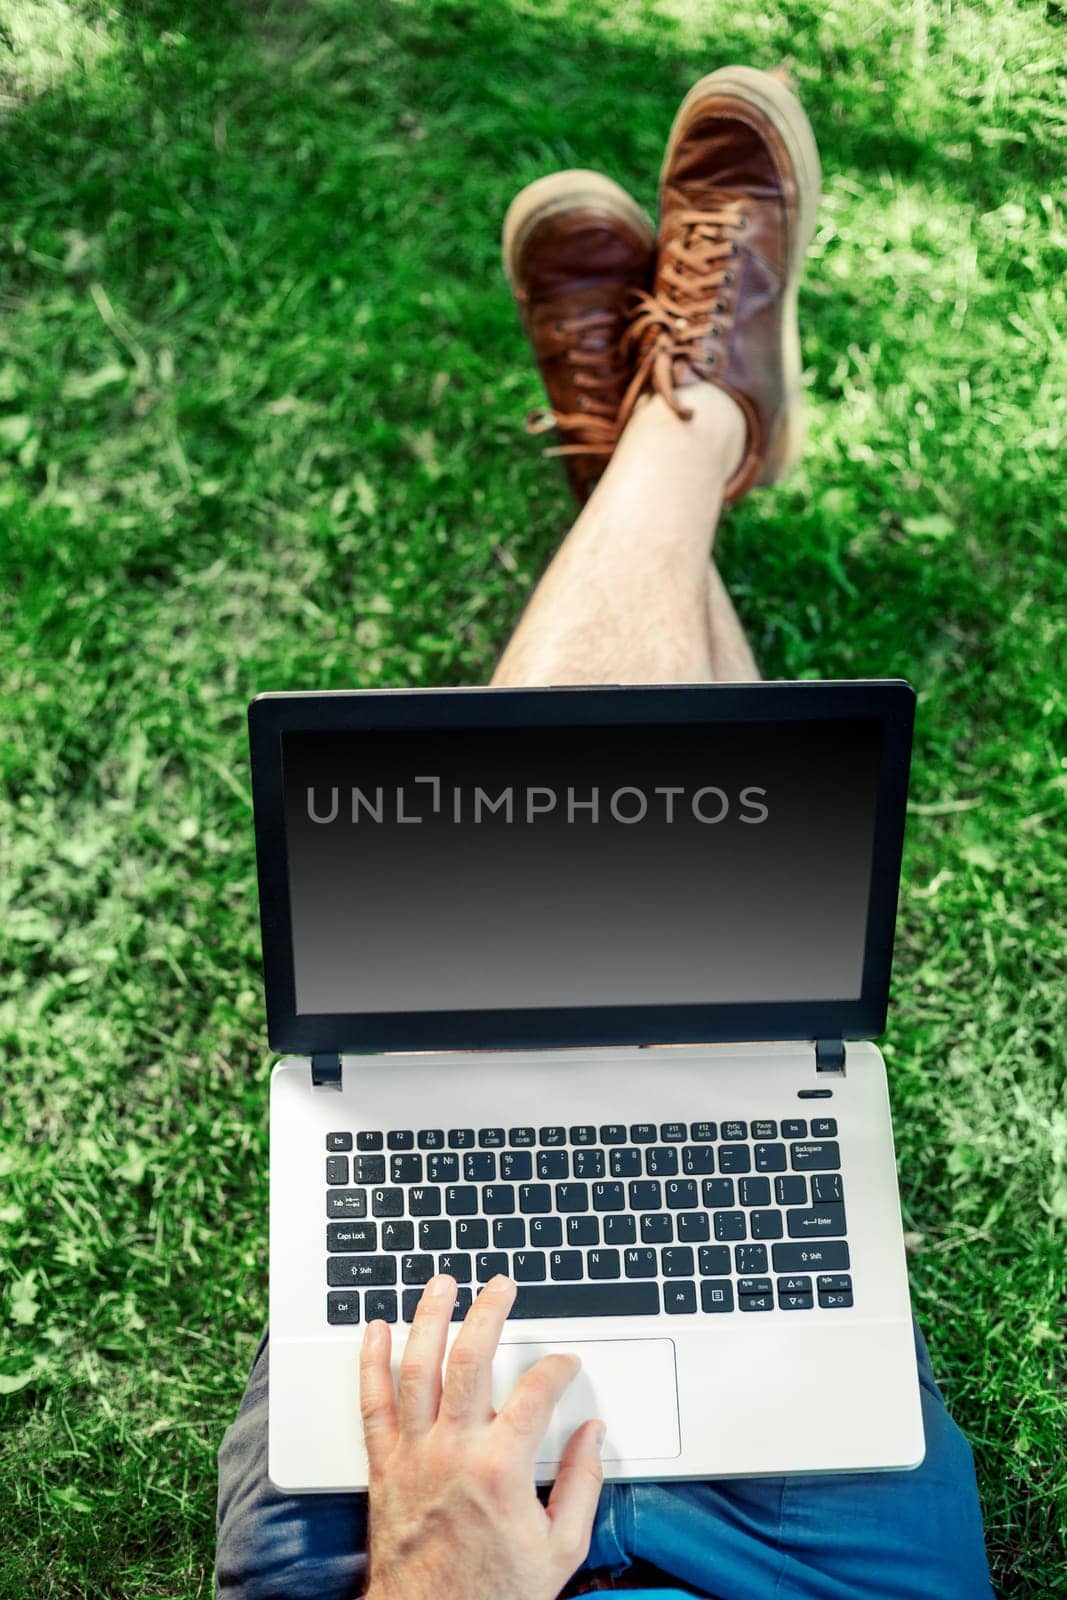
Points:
(890, 702)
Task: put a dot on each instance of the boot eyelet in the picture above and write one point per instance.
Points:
(728, 277)
(720, 305)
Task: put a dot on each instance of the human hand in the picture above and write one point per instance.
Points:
(454, 1512)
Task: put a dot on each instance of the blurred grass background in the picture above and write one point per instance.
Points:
(261, 391)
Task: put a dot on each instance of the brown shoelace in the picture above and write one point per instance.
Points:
(596, 355)
(674, 324)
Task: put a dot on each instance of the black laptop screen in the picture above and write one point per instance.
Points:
(481, 869)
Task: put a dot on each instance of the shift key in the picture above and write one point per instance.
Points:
(816, 1222)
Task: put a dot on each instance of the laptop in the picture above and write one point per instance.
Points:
(580, 985)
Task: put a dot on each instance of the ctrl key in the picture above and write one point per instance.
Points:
(342, 1308)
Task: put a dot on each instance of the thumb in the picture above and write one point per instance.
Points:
(575, 1493)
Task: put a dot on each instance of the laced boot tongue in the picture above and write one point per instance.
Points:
(594, 353)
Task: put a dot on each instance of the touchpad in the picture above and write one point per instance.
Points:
(631, 1383)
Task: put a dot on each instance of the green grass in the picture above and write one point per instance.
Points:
(261, 391)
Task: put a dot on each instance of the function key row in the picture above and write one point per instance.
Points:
(608, 1133)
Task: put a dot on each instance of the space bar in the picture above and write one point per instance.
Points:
(586, 1300)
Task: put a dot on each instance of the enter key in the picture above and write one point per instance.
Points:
(816, 1222)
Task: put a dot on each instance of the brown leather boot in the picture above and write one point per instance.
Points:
(577, 249)
(739, 191)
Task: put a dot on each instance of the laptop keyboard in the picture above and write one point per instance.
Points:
(691, 1219)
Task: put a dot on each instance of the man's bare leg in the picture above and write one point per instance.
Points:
(629, 597)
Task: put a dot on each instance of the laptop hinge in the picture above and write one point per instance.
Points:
(829, 1055)
(326, 1071)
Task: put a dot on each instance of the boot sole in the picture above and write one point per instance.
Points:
(788, 119)
(573, 189)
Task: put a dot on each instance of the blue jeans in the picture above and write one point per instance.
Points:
(850, 1536)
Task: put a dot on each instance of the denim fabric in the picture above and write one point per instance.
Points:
(847, 1536)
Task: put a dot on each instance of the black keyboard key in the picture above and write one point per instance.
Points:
(416, 1269)
(755, 1302)
(489, 1263)
(338, 1141)
(703, 1132)
(750, 1257)
(640, 1263)
(609, 1197)
(834, 1283)
(431, 1139)
(754, 1191)
(588, 1163)
(679, 1299)
(522, 1138)
(546, 1232)
(442, 1167)
(672, 1132)
(661, 1161)
(583, 1230)
(435, 1235)
(771, 1158)
(681, 1193)
(791, 1191)
(472, 1233)
(656, 1229)
(645, 1195)
(734, 1130)
(498, 1199)
(336, 1169)
(642, 1133)
(572, 1197)
(828, 1257)
(824, 1128)
(342, 1236)
(735, 1158)
(565, 1265)
(409, 1303)
(341, 1271)
(583, 1134)
(424, 1202)
(387, 1202)
(399, 1235)
(400, 1139)
(819, 1222)
(461, 1139)
(529, 1266)
(405, 1169)
(613, 1133)
(509, 1233)
(479, 1166)
(827, 1189)
(492, 1138)
(717, 1193)
(620, 1230)
(516, 1166)
(534, 1197)
(461, 1200)
(368, 1169)
(765, 1224)
(837, 1301)
(716, 1294)
(825, 1157)
(587, 1300)
(346, 1203)
(370, 1141)
(379, 1305)
(765, 1130)
(457, 1264)
(553, 1136)
(625, 1163)
(794, 1285)
(754, 1286)
(794, 1128)
(553, 1164)
(693, 1227)
(729, 1225)
(342, 1308)
(604, 1264)
(698, 1159)
(677, 1261)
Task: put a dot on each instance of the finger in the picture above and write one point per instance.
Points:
(575, 1493)
(466, 1392)
(526, 1413)
(419, 1386)
(377, 1401)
